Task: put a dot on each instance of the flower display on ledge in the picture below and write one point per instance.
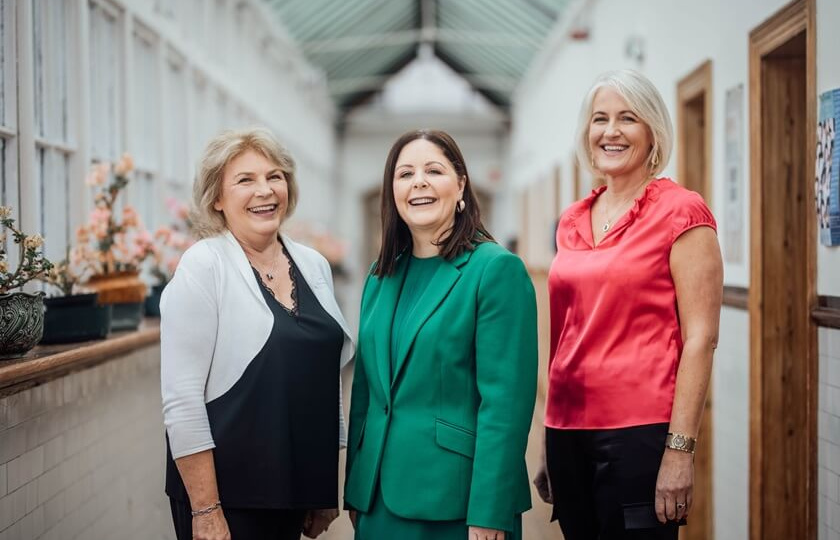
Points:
(317, 237)
(32, 265)
(173, 240)
(111, 241)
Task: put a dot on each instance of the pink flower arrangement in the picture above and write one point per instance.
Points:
(107, 244)
(173, 239)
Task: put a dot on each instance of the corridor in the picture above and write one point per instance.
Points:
(107, 107)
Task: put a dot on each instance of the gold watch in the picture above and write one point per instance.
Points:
(678, 441)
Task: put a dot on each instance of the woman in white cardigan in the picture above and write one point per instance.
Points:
(252, 342)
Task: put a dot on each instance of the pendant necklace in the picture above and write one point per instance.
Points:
(269, 275)
(608, 223)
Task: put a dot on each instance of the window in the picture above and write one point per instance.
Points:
(105, 102)
(4, 30)
(8, 130)
(145, 127)
(175, 122)
(53, 146)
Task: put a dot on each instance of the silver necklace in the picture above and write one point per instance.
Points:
(608, 222)
(268, 275)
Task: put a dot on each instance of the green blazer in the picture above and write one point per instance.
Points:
(445, 435)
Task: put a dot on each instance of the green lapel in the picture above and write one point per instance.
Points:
(384, 308)
(442, 282)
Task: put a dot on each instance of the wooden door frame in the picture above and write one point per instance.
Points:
(689, 88)
(787, 23)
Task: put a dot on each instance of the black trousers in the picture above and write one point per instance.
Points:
(245, 524)
(604, 482)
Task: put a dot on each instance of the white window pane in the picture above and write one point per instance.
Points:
(50, 45)
(4, 197)
(52, 169)
(175, 126)
(4, 28)
(106, 142)
(146, 106)
(142, 198)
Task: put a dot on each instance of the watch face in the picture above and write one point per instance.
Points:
(679, 441)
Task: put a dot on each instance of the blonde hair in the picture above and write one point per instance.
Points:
(645, 101)
(221, 150)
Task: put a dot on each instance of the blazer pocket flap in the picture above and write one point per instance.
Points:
(455, 438)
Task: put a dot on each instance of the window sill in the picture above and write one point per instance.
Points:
(46, 362)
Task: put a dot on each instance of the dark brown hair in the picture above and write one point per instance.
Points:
(396, 237)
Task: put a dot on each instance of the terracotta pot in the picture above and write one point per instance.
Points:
(21, 322)
(118, 288)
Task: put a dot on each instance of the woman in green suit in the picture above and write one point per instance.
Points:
(446, 366)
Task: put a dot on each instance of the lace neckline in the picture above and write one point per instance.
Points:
(294, 311)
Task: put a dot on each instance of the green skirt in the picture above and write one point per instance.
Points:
(380, 523)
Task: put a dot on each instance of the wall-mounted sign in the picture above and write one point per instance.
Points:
(827, 171)
(733, 223)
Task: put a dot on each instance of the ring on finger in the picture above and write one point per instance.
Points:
(680, 506)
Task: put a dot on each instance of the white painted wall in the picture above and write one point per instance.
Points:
(677, 37)
(730, 420)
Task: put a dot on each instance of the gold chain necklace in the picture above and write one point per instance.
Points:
(608, 223)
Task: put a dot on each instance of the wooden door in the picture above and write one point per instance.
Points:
(783, 338)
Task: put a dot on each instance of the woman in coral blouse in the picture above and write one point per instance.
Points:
(635, 293)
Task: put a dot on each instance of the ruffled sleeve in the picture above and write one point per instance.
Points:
(691, 211)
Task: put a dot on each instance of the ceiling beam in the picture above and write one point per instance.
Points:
(411, 37)
(351, 85)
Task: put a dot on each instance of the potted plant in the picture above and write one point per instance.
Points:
(172, 241)
(75, 314)
(112, 248)
(21, 313)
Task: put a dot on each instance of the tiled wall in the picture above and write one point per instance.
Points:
(82, 456)
(730, 418)
(829, 435)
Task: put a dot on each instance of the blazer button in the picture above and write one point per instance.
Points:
(386, 410)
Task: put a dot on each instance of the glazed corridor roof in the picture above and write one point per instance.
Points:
(360, 43)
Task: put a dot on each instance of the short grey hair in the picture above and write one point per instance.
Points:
(645, 101)
(221, 150)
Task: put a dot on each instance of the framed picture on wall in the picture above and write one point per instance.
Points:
(827, 169)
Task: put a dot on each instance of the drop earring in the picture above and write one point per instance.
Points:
(460, 206)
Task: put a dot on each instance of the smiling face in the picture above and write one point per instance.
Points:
(426, 188)
(254, 197)
(619, 141)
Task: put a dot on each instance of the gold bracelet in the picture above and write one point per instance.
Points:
(204, 511)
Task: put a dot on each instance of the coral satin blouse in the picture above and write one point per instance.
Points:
(615, 332)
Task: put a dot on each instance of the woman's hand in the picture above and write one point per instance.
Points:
(318, 521)
(353, 518)
(543, 485)
(480, 533)
(212, 526)
(541, 480)
(674, 485)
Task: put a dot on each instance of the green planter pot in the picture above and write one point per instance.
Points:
(126, 316)
(152, 304)
(75, 318)
(21, 323)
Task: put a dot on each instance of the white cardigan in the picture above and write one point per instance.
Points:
(214, 321)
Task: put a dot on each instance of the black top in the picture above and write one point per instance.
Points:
(276, 429)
